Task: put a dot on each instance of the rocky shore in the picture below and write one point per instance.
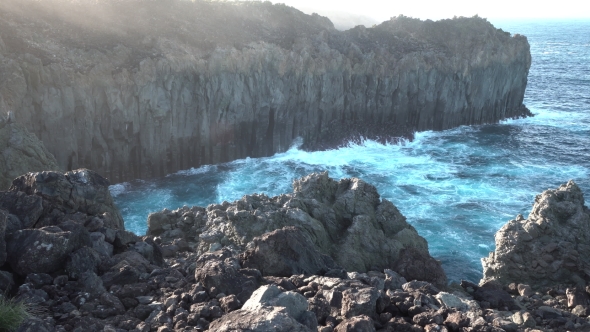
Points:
(331, 256)
(144, 88)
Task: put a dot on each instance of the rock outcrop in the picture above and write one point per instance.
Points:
(21, 152)
(345, 220)
(551, 246)
(83, 273)
(139, 89)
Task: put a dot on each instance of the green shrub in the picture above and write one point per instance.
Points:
(12, 314)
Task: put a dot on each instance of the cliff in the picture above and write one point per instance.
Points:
(137, 89)
(21, 152)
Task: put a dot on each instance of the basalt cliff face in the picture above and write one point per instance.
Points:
(137, 89)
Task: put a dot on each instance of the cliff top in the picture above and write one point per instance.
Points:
(65, 31)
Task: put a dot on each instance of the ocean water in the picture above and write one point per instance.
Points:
(456, 187)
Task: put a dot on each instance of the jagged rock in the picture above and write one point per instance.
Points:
(3, 225)
(82, 260)
(524, 319)
(34, 324)
(498, 298)
(393, 280)
(6, 282)
(21, 152)
(356, 324)
(456, 321)
(264, 319)
(356, 302)
(336, 216)
(416, 264)
(43, 250)
(75, 191)
(285, 252)
(220, 272)
(576, 296)
(551, 246)
(454, 301)
(26, 208)
(294, 303)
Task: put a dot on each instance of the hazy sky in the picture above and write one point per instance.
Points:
(379, 10)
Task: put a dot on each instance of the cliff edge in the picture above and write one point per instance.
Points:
(137, 88)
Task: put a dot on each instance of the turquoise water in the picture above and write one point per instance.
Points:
(457, 187)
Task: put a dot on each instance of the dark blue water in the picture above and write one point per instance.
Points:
(457, 187)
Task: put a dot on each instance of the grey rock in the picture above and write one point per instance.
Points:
(26, 208)
(357, 302)
(80, 190)
(42, 250)
(21, 152)
(285, 252)
(294, 303)
(82, 260)
(3, 224)
(221, 271)
(360, 323)
(6, 282)
(550, 247)
(265, 319)
(336, 216)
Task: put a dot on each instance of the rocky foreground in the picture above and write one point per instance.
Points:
(143, 88)
(331, 256)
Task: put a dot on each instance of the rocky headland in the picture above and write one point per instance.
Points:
(139, 89)
(330, 256)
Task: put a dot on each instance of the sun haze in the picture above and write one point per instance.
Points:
(349, 13)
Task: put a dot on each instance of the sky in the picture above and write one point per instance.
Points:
(369, 12)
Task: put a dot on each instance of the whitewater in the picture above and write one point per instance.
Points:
(456, 187)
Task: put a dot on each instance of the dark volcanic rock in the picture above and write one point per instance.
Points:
(131, 97)
(219, 272)
(286, 252)
(43, 250)
(418, 265)
(80, 190)
(337, 217)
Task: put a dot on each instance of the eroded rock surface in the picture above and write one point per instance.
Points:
(113, 281)
(346, 220)
(106, 86)
(551, 246)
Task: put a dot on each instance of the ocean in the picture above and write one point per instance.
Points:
(456, 187)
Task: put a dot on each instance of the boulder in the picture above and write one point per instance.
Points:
(357, 302)
(294, 303)
(264, 319)
(80, 190)
(550, 247)
(356, 324)
(415, 264)
(285, 252)
(28, 209)
(82, 260)
(219, 272)
(43, 250)
(498, 298)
